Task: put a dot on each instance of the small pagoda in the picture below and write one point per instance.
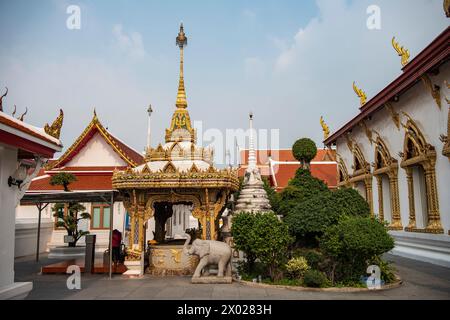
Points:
(176, 172)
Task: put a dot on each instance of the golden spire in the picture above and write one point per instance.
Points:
(402, 52)
(181, 42)
(325, 129)
(361, 94)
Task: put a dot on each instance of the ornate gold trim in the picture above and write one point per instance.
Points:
(434, 89)
(95, 123)
(417, 152)
(361, 94)
(402, 52)
(387, 165)
(394, 115)
(55, 129)
(361, 172)
(367, 131)
(446, 139)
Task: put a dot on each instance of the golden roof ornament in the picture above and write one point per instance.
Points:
(55, 129)
(325, 129)
(447, 8)
(402, 52)
(360, 93)
(181, 42)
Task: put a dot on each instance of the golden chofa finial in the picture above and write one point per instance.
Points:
(55, 129)
(325, 129)
(447, 8)
(402, 52)
(181, 42)
(361, 94)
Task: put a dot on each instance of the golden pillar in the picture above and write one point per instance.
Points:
(396, 221)
(412, 211)
(132, 231)
(434, 221)
(380, 198)
(369, 196)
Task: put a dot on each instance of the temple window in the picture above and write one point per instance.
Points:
(100, 216)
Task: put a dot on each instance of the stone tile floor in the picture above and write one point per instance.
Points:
(420, 281)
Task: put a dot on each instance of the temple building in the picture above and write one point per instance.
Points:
(396, 153)
(177, 181)
(24, 149)
(92, 158)
(279, 166)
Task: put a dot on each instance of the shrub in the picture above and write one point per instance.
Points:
(352, 243)
(241, 227)
(308, 220)
(272, 195)
(315, 279)
(314, 258)
(304, 150)
(349, 202)
(300, 188)
(296, 267)
(265, 237)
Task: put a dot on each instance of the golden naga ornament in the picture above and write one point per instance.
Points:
(360, 93)
(325, 129)
(402, 52)
(447, 8)
(55, 129)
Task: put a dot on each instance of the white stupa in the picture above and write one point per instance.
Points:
(253, 197)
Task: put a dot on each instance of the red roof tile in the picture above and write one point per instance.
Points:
(97, 181)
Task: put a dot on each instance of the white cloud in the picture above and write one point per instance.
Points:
(130, 44)
(313, 74)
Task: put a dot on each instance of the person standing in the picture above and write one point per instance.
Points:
(116, 242)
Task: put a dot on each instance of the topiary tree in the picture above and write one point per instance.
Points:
(304, 150)
(70, 220)
(309, 219)
(300, 188)
(350, 202)
(62, 179)
(352, 244)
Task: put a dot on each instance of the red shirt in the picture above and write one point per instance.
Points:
(116, 238)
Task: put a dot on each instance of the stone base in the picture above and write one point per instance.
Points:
(135, 269)
(211, 279)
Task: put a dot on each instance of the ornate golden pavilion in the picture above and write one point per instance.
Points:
(176, 172)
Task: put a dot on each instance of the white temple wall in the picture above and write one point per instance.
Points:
(26, 229)
(432, 121)
(8, 164)
(96, 153)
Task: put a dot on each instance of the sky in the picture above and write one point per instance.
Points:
(289, 62)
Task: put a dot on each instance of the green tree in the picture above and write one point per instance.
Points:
(352, 244)
(274, 197)
(301, 187)
(70, 220)
(266, 238)
(304, 150)
(350, 202)
(241, 227)
(62, 179)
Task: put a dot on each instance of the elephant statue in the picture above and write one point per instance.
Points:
(210, 252)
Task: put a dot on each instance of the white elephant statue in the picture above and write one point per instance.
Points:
(210, 252)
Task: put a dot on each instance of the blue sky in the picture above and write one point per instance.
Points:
(288, 61)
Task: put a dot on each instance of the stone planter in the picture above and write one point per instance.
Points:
(65, 252)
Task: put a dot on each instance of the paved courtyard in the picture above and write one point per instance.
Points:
(420, 281)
